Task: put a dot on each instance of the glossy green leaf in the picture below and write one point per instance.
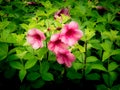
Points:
(106, 78)
(44, 67)
(30, 63)
(112, 66)
(106, 55)
(101, 87)
(98, 66)
(22, 74)
(16, 64)
(91, 59)
(41, 52)
(77, 66)
(93, 76)
(33, 76)
(38, 83)
(113, 77)
(73, 74)
(47, 76)
(3, 51)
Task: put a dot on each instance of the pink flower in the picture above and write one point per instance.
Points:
(70, 33)
(56, 44)
(58, 14)
(35, 38)
(65, 57)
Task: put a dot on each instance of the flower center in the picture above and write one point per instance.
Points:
(37, 37)
(69, 32)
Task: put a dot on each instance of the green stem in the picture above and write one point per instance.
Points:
(84, 60)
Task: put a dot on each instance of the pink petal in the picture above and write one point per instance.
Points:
(68, 64)
(55, 37)
(60, 59)
(30, 39)
(32, 32)
(73, 25)
(37, 45)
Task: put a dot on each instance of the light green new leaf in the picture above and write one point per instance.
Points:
(3, 51)
(112, 66)
(91, 59)
(106, 55)
(89, 34)
(24, 26)
(22, 74)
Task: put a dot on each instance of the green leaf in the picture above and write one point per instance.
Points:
(16, 64)
(38, 83)
(106, 55)
(98, 66)
(41, 52)
(12, 57)
(72, 74)
(89, 33)
(93, 76)
(101, 87)
(44, 67)
(24, 26)
(4, 24)
(30, 63)
(88, 69)
(47, 76)
(3, 51)
(95, 44)
(91, 59)
(77, 66)
(115, 52)
(22, 74)
(79, 55)
(116, 87)
(106, 78)
(112, 66)
(33, 76)
(113, 77)
(107, 45)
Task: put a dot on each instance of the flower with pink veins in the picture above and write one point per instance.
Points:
(65, 57)
(70, 33)
(55, 44)
(35, 38)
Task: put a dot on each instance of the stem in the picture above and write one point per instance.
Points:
(84, 60)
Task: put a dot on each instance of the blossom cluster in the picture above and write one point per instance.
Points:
(59, 43)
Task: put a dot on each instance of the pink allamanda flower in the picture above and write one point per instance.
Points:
(55, 43)
(65, 57)
(35, 38)
(70, 33)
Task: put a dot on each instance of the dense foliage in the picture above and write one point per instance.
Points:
(97, 52)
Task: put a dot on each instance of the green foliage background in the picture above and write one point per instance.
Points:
(97, 53)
